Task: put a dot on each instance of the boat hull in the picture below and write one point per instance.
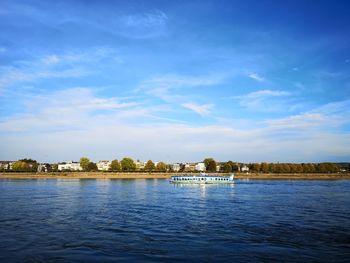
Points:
(189, 179)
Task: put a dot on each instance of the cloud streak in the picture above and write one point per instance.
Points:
(256, 77)
(202, 110)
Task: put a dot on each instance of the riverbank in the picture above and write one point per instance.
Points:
(123, 175)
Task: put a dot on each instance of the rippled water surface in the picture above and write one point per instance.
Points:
(153, 220)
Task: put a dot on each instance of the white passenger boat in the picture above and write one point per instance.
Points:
(202, 179)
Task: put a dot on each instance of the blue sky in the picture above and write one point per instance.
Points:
(176, 81)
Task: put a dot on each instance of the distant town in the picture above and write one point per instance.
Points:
(207, 165)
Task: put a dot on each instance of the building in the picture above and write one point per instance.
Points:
(190, 167)
(176, 167)
(104, 165)
(200, 167)
(244, 169)
(140, 165)
(44, 168)
(69, 166)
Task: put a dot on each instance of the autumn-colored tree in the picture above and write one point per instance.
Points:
(207, 161)
(211, 166)
(255, 167)
(264, 167)
(115, 166)
(227, 168)
(161, 167)
(150, 166)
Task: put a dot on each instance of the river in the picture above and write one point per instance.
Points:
(152, 220)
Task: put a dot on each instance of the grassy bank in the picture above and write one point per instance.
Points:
(122, 175)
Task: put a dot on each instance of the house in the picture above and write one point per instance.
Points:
(176, 167)
(190, 167)
(5, 165)
(244, 169)
(140, 165)
(44, 168)
(70, 166)
(104, 165)
(200, 167)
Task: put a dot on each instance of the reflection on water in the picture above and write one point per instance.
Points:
(153, 220)
(203, 188)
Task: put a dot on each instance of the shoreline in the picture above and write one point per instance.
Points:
(123, 175)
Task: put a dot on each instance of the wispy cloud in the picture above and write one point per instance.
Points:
(51, 59)
(146, 19)
(256, 77)
(203, 110)
(142, 25)
(72, 65)
(167, 87)
(265, 100)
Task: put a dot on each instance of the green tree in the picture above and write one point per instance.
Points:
(128, 164)
(150, 166)
(227, 168)
(25, 165)
(91, 167)
(84, 163)
(20, 166)
(161, 167)
(55, 167)
(211, 166)
(115, 166)
(207, 161)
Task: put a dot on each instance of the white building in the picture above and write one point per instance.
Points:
(200, 167)
(176, 167)
(244, 169)
(104, 165)
(140, 165)
(70, 165)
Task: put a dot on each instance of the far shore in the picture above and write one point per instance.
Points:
(144, 175)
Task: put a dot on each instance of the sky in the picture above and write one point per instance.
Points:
(175, 81)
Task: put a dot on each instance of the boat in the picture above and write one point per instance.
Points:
(202, 179)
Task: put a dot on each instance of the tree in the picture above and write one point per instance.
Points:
(150, 166)
(207, 161)
(55, 167)
(128, 164)
(84, 163)
(20, 166)
(91, 167)
(227, 168)
(256, 167)
(211, 166)
(115, 166)
(25, 165)
(264, 167)
(161, 167)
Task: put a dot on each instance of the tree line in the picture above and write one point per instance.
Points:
(128, 165)
(294, 167)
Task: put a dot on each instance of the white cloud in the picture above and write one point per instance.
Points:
(142, 25)
(72, 65)
(146, 20)
(165, 87)
(51, 59)
(203, 110)
(75, 122)
(256, 77)
(265, 100)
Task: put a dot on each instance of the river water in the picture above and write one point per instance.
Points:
(153, 220)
